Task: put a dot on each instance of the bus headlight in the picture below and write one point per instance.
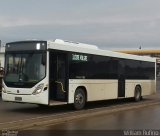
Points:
(38, 89)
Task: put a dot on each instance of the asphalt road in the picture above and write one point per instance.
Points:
(14, 115)
(11, 112)
(142, 122)
(17, 111)
(143, 118)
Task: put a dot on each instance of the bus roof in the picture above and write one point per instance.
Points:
(92, 49)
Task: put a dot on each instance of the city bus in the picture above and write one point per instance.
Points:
(65, 72)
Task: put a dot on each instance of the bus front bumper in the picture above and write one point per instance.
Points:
(41, 98)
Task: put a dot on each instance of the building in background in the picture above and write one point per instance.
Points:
(151, 53)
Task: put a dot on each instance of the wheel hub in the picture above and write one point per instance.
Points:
(79, 98)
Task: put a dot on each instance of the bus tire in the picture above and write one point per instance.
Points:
(79, 99)
(137, 94)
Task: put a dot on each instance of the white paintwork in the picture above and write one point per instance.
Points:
(148, 87)
(81, 45)
(74, 48)
(26, 93)
(96, 89)
(41, 98)
(108, 89)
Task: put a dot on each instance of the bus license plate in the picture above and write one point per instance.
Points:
(18, 98)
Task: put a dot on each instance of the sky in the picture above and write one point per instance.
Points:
(109, 24)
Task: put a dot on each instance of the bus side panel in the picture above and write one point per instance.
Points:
(96, 89)
(147, 86)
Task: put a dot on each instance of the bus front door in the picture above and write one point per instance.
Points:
(58, 62)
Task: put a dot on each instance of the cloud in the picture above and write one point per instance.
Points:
(117, 24)
(76, 21)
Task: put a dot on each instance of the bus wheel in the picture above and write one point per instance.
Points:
(137, 94)
(79, 99)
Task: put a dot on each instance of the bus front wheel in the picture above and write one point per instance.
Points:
(79, 99)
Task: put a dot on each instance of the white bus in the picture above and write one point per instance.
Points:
(62, 72)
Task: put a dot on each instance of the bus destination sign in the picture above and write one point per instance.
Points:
(79, 57)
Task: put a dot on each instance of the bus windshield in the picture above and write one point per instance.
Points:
(24, 69)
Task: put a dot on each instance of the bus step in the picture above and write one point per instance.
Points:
(53, 102)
